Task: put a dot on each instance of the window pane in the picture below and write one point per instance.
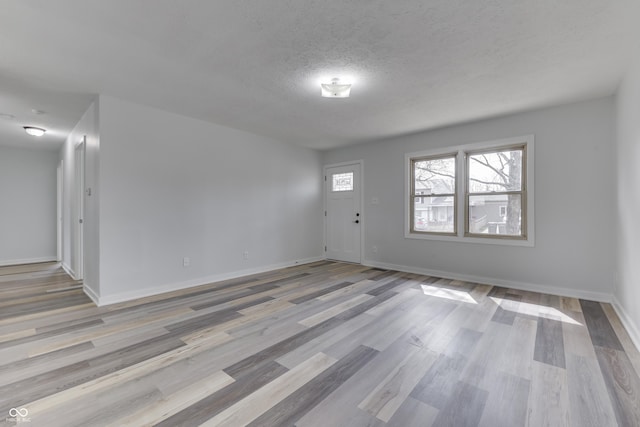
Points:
(434, 214)
(436, 176)
(342, 182)
(499, 171)
(485, 215)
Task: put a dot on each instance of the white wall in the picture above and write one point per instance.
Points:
(27, 205)
(87, 126)
(628, 212)
(174, 187)
(574, 202)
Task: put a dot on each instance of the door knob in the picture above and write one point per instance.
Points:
(357, 221)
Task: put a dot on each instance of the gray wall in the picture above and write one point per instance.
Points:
(174, 187)
(27, 205)
(574, 203)
(628, 208)
(87, 126)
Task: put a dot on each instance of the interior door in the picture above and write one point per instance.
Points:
(343, 225)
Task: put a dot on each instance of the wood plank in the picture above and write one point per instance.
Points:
(340, 408)
(466, 415)
(483, 358)
(220, 400)
(396, 301)
(570, 304)
(165, 407)
(11, 336)
(97, 410)
(316, 294)
(548, 397)
(386, 330)
(588, 396)
(622, 334)
(386, 287)
(549, 346)
(365, 306)
(350, 328)
(104, 331)
(516, 357)
(260, 401)
(506, 402)
(506, 312)
(436, 387)
(333, 311)
(67, 377)
(359, 286)
(453, 316)
(385, 399)
(577, 340)
(28, 367)
(463, 343)
(273, 352)
(127, 373)
(41, 314)
(480, 315)
(600, 330)
(413, 413)
(298, 404)
(622, 383)
(60, 329)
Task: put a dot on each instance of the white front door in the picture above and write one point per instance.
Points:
(343, 212)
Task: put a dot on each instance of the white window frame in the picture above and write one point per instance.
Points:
(461, 180)
(413, 193)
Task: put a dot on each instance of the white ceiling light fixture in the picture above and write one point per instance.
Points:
(34, 131)
(335, 89)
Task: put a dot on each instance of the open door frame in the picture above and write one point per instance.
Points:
(59, 210)
(78, 217)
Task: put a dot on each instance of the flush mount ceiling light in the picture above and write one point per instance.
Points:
(335, 89)
(34, 131)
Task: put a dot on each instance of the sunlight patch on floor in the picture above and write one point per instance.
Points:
(537, 310)
(448, 294)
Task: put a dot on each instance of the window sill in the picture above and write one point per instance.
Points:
(469, 239)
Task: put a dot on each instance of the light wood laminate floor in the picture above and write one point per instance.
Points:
(325, 344)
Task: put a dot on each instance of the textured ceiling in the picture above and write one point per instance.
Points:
(256, 65)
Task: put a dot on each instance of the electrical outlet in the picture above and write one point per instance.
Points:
(374, 249)
(186, 262)
(245, 255)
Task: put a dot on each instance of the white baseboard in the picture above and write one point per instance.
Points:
(147, 292)
(91, 294)
(523, 286)
(27, 261)
(69, 271)
(628, 324)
